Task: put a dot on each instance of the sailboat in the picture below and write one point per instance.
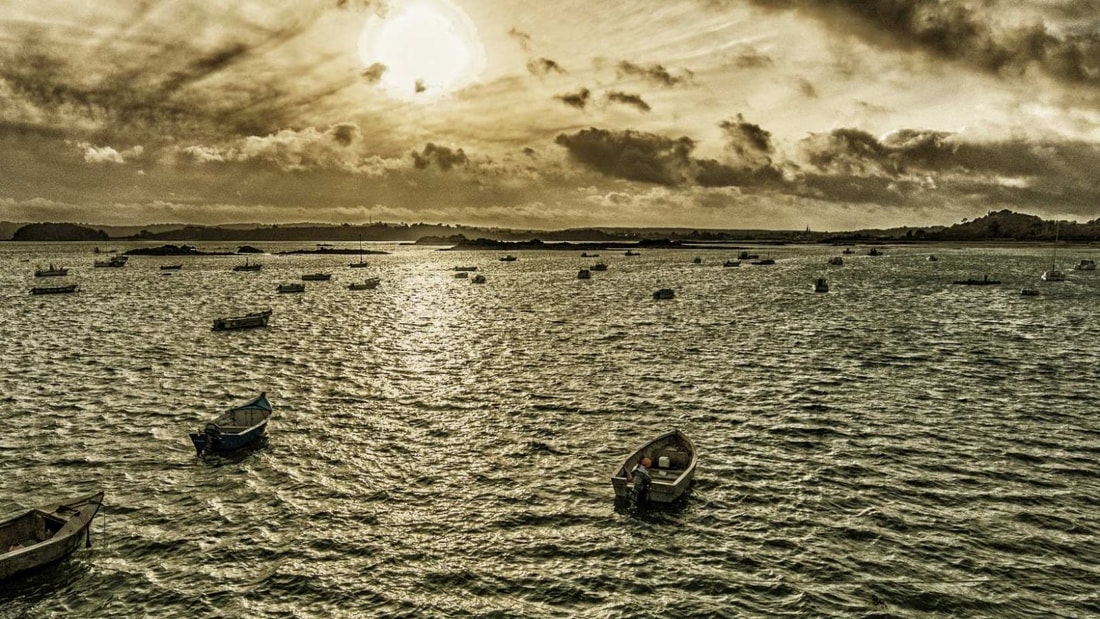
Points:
(1054, 275)
(360, 264)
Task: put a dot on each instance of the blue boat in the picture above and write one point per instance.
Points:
(236, 428)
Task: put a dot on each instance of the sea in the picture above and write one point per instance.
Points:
(899, 446)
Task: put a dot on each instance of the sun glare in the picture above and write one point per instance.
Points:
(429, 48)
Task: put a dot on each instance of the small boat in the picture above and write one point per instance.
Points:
(171, 267)
(508, 259)
(584, 274)
(114, 262)
(764, 262)
(1029, 292)
(54, 289)
(1053, 274)
(46, 534)
(674, 459)
(984, 281)
(847, 251)
(361, 264)
(316, 277)
(836, 261)
(462, 275)
(585, 254)
(820, 285)
(631, 253)
(747, 256)
(874, 252)
(255, 266)
(932, 258)
(292, 287)
(599, 266)
(731, 263)
(238, 427)
(466, 269)
(1085, 265)
(478, 279)
(697, 260)
(369, 284)
(247, 321)
(52, 271)
(664, 293)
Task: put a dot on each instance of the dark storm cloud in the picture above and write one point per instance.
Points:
(654, 73)
(577, 99)
(345, 134)
(957, 31)
(632, 155)
(543, 66)
(521, 37)
(633, 100)
(746, 139)
(373, 73)
(651, 158)
(442, 157)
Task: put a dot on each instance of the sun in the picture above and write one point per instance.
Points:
(429, 48)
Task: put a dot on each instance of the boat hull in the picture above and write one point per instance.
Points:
(669, 483)
(74, 517)
(236, 429)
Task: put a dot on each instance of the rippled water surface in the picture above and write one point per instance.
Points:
(897, 447)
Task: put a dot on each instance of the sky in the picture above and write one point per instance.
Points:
(728, 114)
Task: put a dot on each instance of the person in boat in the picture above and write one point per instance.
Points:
(639, 495)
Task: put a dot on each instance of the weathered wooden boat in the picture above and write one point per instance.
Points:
(747, 256)
(238, 427)
(369, 284)
(54, 289)
(466, 269)
(316, 277)
(508, 258)
(697, 260)
(247, 321)
(52, 271)
(171, 267)
(874, 252)
(46, 534)
(673, 459)
(599, 266)
(478, 279)
(763, 262)
(631, 253)
(836, 261)
(584, 274)
(821, 285)
(731, 263)
(284, 288)
(984, 281)
(462, 275)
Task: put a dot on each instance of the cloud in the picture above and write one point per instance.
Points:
(577, 99)
(543, 66)
(632, 155)
(107, 154)
(962, 32)
(520, 37)
(337, 147)
(442, 157)
(654, 73)
(628, 99)
(806, 88)
(373, 73)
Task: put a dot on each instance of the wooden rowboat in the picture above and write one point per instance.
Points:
(43, 535)
(54, 289)
(236, 428)
(674, 459)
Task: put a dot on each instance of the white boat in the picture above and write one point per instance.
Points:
(1085, 265)
(361, 264)
(673, 461)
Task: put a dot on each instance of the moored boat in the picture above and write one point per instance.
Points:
(292, 287)
(478, 279)
(1085, 265)
(664, 293)
(247, 321)
(508, 258)
(673, 461)
(54, 289)
(247, 266)
(1029, 292)
(43, 535)
(584, 274)
(836, 261)
(114, 262)
(369, 284)
(763, 262)
(316, 277)
(984, 281)
(171, 267)
(238, 427)
(51, 271)
(465, 269)
(599, 266)
(731, 263)
(820, 285)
